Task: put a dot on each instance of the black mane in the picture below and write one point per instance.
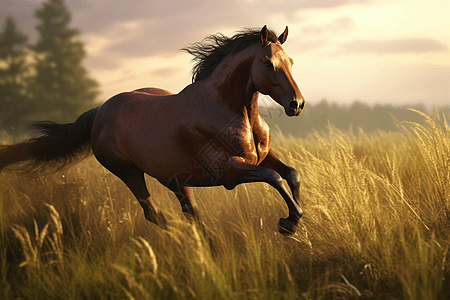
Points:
(213, 49)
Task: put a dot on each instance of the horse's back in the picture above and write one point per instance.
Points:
(153, 92)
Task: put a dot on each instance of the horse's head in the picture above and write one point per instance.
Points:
(272, 74)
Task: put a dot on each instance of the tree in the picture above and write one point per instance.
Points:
(62, 88)
(15, 77)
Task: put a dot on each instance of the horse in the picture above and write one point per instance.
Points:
(209, 134)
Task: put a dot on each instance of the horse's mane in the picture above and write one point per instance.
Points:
(213, 49)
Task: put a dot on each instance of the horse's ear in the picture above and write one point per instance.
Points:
(283, 37)
(264, 35)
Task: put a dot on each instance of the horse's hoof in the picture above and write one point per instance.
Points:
(162, 222)
(158, 219)
(285, 227)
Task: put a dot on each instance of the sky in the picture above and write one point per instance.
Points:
(374, 51)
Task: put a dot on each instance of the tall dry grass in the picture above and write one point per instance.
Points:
(376, 226)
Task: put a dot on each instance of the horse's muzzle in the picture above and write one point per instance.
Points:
(295, 107)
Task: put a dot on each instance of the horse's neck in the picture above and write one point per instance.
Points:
(232, 84)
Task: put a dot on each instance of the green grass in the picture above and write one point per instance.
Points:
(376, 226)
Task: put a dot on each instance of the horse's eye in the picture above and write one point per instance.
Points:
(268, 64)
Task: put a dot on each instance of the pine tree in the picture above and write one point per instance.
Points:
(63, 88)
(14, 79)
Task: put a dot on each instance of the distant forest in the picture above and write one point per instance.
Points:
(316, 117)
(45, 80)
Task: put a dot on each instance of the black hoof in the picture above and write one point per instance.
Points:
(162, 222)
(285, 227)
(157, 219)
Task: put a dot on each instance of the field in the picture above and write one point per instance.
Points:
(376, 226)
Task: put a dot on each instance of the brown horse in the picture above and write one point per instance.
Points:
(209, 134)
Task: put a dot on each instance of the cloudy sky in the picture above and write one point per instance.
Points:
(376, 51)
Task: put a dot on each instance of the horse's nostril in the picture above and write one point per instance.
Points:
(293, 105)
(302, 104)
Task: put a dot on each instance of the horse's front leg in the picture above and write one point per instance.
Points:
(240, 172)
(288, 173)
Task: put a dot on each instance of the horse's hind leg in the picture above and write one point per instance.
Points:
(185, 195)
(133, 177)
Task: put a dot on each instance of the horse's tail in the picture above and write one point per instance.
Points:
(58, 147)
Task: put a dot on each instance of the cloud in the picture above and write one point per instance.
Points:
(292, 5)
(187, 14)
(343, 24)
(314, 37)
(102, 62)
(165, 72)
(162, 26)
(408, 45)
(307, 46)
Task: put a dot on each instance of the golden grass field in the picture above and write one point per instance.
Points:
(376, 226)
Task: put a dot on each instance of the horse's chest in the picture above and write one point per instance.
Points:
(216, 145)
(246, 142)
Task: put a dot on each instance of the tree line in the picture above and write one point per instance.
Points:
(317, 117)
(46, 80)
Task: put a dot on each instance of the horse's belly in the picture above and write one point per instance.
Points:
(155, 149)
(173, 167)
